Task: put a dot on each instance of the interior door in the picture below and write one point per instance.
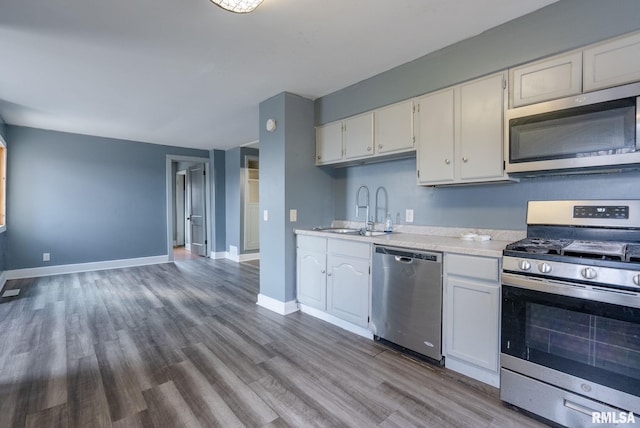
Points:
(197, 210)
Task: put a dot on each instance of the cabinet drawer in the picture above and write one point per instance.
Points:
(487, 268)
(348, 248)
(312, 243)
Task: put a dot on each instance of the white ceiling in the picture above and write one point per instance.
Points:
(187, 73)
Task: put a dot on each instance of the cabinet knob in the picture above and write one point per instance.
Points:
(379, 146)
(323, 271)
(329, 274)
(319, 157)
(447, 161)
(369, 148)
(465, 159)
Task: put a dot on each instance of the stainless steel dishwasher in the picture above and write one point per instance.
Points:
(406, 303)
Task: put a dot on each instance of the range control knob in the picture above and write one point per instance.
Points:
(636, 279)
(589, 273)
(524, 265)
(544, 267)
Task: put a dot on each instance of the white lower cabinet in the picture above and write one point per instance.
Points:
(333, 276)
(471, 323)
(348, 289)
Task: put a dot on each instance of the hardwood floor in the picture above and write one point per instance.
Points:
(185, 345)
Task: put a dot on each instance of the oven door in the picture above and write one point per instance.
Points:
(580, 338)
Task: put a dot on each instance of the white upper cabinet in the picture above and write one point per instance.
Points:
(612, 63)
(329, 143)
(556, 77)
(480, 142)
(358, 136)
(460, 133)
(394, 128)
(383, 133)
(436, 137)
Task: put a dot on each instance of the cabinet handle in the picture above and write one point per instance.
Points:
(447, 161)
(465, 159)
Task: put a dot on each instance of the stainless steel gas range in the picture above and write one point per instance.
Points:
(570, 335)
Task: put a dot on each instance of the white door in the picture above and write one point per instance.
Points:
(197, 210)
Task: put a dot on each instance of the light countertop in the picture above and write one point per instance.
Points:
(430, 238)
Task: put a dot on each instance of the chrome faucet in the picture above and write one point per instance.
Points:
(367, 222)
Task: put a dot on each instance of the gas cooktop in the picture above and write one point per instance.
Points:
(597, 250)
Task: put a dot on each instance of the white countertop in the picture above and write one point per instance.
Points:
(433, 242)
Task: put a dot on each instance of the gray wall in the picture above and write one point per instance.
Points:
(218, 199)
(493, 206)
(84, 199)
(288, 180)
(561, 26)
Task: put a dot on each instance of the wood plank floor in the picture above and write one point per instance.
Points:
(184, 345)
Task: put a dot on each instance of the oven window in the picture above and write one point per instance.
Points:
(595, 341)
(595, 130)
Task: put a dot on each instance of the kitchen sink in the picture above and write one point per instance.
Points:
(348, 231)
(340, 230)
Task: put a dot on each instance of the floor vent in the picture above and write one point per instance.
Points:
(11, 293)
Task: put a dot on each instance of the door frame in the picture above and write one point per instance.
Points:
(170, 208)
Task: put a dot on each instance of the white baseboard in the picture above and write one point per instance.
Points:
(282, 308)
(239, 258)
(345, 325)
(475, 372)
(84, 267)
(219, 255)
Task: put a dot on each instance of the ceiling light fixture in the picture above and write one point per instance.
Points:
(238, 6)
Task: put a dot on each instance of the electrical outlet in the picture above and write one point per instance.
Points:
(408, 216)
(46, 257)
(293, 215)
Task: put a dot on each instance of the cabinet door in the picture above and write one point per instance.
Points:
(311, 278)
(557, 77)
(329, 143)
(481, 150)
(613, 63)
(435, 124)
(394, 128)
(348, 289)
(472, 327)
(358, 136)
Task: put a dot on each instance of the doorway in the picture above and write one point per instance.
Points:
(188, 207)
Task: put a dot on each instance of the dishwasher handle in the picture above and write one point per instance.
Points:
(407, 255)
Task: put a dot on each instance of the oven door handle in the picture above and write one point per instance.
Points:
(578, 407)
(580, 291)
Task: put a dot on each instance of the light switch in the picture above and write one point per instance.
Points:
(265, 215)
(293, 215)
(409, 216)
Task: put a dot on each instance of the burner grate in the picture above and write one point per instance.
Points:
(596, 250)
(539, 245)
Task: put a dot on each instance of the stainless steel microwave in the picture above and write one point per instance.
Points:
(595, 130)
